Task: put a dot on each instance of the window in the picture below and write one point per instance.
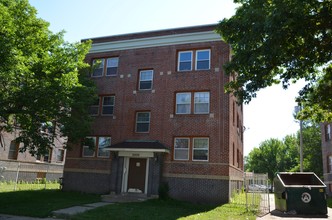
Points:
(145, 79)
(46, 157)
(200, 149)
(112, 66)
(89, 147)
(60, 155)
(107, 105)
(142, 122)
(105, 66)
(102, 143)
(201, 103)
(202, 60)
(181, 148)
(98, 67)
(183, 103)
(94, 109)
(13, 150)
(329, 162)
(327, 132)
(185, 61)
(91, 144)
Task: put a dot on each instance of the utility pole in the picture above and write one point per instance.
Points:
(297, 110)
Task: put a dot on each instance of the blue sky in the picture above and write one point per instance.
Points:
(267, 116)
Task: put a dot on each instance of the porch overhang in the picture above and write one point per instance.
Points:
(138, 146)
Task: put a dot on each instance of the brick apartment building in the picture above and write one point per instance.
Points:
(162, 118)
(327, 155)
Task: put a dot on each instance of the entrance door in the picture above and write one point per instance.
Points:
(136, 175)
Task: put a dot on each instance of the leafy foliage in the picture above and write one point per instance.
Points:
(42, 80)
(282, 41)
(274, 155)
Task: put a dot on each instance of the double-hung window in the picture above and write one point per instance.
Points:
(98, 67)
(327, 132)
(145, 79)
(89, 146)
(142, 122)
(185, 61)
(104, 142)
(201, 59)
(107, 105)
(94, 109)
(183, 103)
(181, 148)
(200, 100)
(105, 67)
(112, 66)
(329, 164)
(201, 149)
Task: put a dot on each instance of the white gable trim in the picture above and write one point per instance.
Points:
(166, 40)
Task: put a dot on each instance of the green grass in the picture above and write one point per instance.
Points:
(11, 186)
(40, 203)
(329, 202)
(167, 209)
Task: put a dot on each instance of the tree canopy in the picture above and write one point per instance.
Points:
(275, 155)
(282, 41)
(42, 80)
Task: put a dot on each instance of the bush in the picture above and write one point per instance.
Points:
(163, 191)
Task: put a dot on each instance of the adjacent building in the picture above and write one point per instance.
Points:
(327, 155)
(162, 118)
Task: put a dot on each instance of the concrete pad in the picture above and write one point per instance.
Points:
(98, 204)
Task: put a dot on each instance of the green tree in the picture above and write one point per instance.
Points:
(42, 80)
(282, 41)
(272, 156)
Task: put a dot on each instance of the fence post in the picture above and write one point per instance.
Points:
(17, 172)
(48, 167)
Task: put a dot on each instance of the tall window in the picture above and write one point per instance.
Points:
(327, 132)
(107, 105)
(145, 79)
(142, 122)
(201, 149)
(184, 102)
(329, 162)
(89, 146)
(112, 66)
(202, 60)
(60, 155)
(185, 60)
(105, 67)
(13, 150)
(181, 148)
(102, 143)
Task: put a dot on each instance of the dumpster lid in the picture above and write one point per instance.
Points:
(300, 179)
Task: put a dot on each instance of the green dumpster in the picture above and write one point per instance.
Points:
(300, 193)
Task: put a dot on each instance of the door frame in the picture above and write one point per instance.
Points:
(126, 172)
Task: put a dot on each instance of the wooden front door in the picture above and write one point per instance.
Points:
(136, 175)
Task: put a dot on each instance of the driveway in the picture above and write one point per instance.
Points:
(275, 214)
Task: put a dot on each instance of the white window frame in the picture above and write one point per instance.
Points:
(180, 61)
(110, 105)
(99, 149)
(196, 102)
(97, 106)
(87, 147)
(136, 122)
(177, 100)
(140, 79)
(101, 66)
(116, 59)
(60, 152)
(207, 148)
(182, 149)
(196, 59)
(328, 132)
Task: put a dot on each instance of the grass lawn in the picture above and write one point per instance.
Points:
(40, 203)
(167, 209)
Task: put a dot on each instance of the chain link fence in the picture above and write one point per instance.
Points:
(254, 194)
(14, 175)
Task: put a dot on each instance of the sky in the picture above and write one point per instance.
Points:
(270, 115)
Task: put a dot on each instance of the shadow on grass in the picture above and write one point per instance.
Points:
(40, 203)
